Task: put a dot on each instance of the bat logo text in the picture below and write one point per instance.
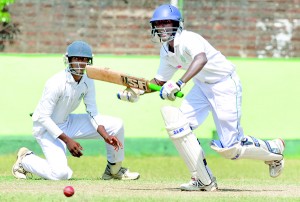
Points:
(135, 83)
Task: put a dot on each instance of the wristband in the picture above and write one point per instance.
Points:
(180, 83)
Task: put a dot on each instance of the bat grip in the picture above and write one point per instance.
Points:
(155, 87)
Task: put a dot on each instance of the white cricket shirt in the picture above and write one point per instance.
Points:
(186, 46)
(61, 96)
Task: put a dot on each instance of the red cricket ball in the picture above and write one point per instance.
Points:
(69, 191)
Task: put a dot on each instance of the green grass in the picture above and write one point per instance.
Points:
(242, 180)
(271, 95)
(150, 146)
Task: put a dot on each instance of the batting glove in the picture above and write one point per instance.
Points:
(130, 95)
(169, 89)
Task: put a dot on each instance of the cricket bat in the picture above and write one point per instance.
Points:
(108, 75)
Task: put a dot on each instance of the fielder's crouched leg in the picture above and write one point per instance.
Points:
(190, 150)
(271, 152)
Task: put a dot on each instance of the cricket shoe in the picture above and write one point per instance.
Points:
(197, 185)
(123, 174)
(17, 169)
(276, 167)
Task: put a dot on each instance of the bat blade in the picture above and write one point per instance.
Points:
(108, 75)
(112, 76)
(103, 74)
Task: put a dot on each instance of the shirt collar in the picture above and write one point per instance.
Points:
(176, 43)
(177, 38)
(70, 78)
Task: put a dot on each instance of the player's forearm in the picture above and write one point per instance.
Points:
(101, 130)
(196, 66)
(49, 125)
(64, 138)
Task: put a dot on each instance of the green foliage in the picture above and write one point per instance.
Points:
(4, 14)
(8, 30)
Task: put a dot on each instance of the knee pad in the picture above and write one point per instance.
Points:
(249, 148)
(186, 143)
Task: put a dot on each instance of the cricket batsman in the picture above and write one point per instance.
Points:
(56, 129)
(217, 89)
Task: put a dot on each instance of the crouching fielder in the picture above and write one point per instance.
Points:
(56, 128)
(217, 89)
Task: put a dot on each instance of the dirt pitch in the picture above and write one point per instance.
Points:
(160, 178)
(95, 190)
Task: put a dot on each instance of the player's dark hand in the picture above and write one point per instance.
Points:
(74, 148)
(114, 141)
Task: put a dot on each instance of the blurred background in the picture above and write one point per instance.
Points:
(241, 28)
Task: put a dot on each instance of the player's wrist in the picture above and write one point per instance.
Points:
(180, 83)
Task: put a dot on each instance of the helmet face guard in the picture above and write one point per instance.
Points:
(77, 68)
(164, 34)
(82, 53)
(165, 13)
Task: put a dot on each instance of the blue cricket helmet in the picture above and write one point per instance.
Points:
(166, 12)
(79, 49)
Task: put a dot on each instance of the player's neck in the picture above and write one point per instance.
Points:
(77, 78)
(171, 46)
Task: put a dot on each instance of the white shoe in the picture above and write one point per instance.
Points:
(276, 167)
(197, 185)
(123, 174)
(17, 169)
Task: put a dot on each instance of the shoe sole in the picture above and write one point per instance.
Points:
(109, 177)
(116, 178)
(130, 178)
(213, 188)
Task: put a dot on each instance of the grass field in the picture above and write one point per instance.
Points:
(242, 180)
(271, 95)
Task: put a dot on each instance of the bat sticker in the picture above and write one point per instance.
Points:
(134, 83)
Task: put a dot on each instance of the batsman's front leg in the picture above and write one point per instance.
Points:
(190, 150)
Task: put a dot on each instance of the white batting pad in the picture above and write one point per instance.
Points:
(186, 143)
(251, 148)
(176, 124)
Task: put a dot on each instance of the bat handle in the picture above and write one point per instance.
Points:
(155, 87)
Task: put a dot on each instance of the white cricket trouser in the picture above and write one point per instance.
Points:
(223, 99)
(78, 126)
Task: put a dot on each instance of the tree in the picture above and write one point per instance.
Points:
(8, 30)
